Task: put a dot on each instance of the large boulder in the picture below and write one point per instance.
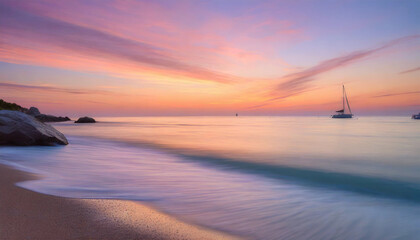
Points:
(17, 128)
(33, 111)
(85, 120)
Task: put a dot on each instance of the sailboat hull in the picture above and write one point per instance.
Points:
(343, 115)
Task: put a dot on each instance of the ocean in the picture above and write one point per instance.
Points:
(258, 177)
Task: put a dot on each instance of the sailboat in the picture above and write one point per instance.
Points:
(342, 113)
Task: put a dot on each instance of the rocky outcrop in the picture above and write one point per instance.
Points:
(51, 118)
(17, 128)
(33, 111)
(85, 120)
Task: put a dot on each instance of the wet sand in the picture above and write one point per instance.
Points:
(25, 214)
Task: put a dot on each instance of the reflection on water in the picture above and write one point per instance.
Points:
(386, 147)
(264, 177)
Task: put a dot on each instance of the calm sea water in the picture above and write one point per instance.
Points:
(261, 177)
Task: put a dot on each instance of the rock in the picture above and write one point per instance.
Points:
(85, 120)
(33, 111)
(51, 118)
(17, 128)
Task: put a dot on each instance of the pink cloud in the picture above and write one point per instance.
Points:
(411, 70)
(51, 32)
(215, 41)
(397, 94)
(23, 87)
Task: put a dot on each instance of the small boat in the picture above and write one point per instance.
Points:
(416, 116)
(342, 113)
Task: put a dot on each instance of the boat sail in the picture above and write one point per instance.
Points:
(342, 113)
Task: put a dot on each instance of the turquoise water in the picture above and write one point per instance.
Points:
(261, 177)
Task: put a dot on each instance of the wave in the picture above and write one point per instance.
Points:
(370, 185)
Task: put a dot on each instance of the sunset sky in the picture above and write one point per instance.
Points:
(214, 57)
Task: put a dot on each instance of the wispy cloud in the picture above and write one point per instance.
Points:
(23, 87)
(296, 82)
(279, 98)
(299, 82)
(397, 94)
(411, 70)
(92, 42)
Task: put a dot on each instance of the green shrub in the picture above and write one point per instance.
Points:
(9, 106)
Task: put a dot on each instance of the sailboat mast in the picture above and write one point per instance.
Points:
(343, 99)
(347, 100)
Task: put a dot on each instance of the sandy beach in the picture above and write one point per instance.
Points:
(30, 215)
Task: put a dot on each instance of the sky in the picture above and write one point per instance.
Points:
(210, 57)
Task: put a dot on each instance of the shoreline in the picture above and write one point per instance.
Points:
(30, 215)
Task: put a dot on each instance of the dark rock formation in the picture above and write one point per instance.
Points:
(33, 111)
(51, 118)
(85, 120)
(17, 128)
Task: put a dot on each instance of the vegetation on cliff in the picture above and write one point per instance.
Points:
(11, 106)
